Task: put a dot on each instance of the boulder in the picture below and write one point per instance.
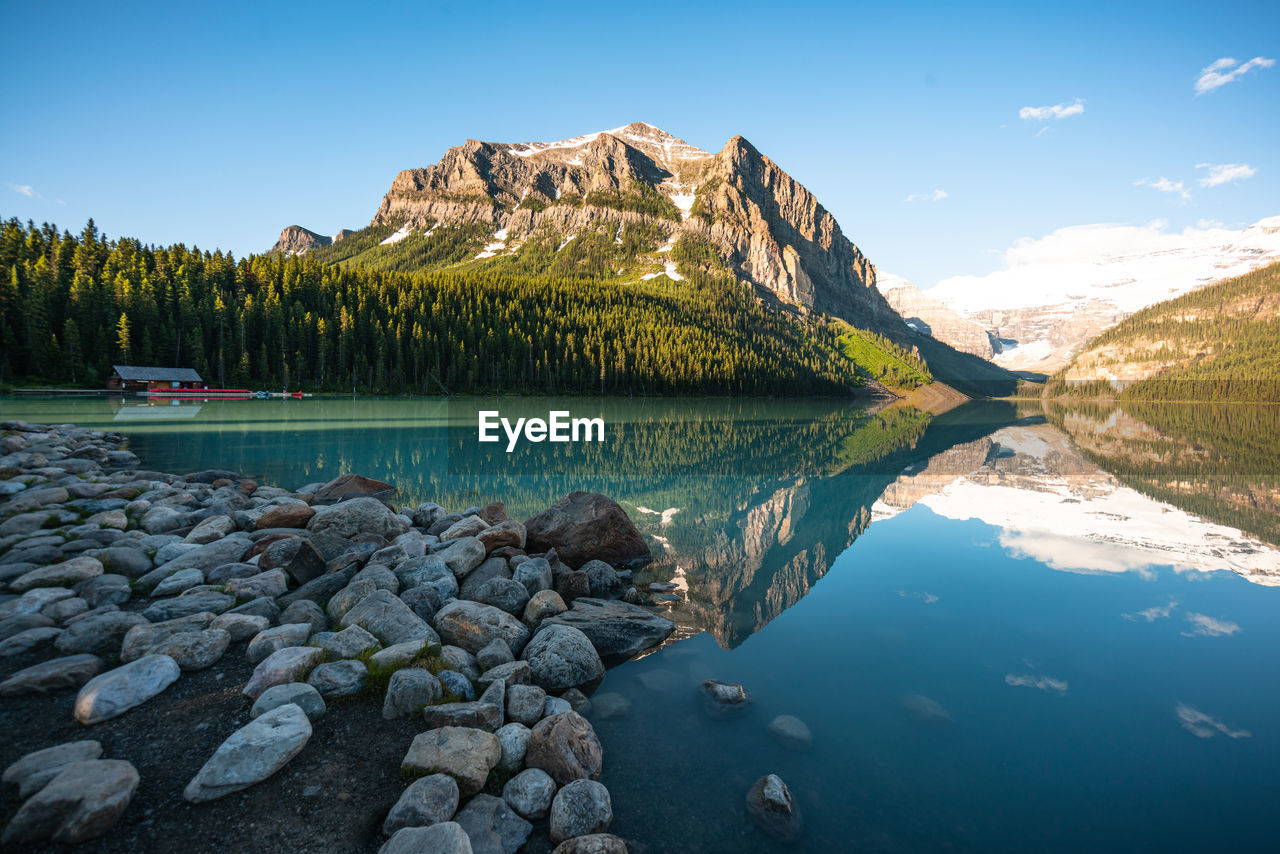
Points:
(584, 526)
(771, 807)
(388, 619)
(339, 678)
(592, 843)
(273, 640)
(529, 793)
(177, 582)
(513, 738)
(305, 611)
(358, 516)
(492, 826)
(462, 556)
(535, 575)
(512, 673)
(428, 800)
(543, 604)
(467, 526)
(346, 487)
(349, 597)
(351, 642)
(525, 704)
(117, 691)
(602, 578)
(485, 713)
(187, 604)
(723, 700)
(581, 807)
(27, 640)
(191, 647)
(110, 589)
(57, 674)
(465, 754)
(617, 630)
(101, 634)
(503, 593)
(444, 838)
(457, 684)
(80, 803)
(508, 533)
(408, 692)
(473, 625)
(494, 567)
(285, 665)
(286, 516)
(494, 653)
(397, 655)
(272, 583)
(562, 657)
(251, 754)
(34, 770)
(240, 626)
(791, 733)
(210, 529)
(566, 747)
(63, 574)
(300, 694)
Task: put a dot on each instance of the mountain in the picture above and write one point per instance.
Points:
(296, 240)
(1218, 343)
(1059, 291)
(936, 319)
(631, 205)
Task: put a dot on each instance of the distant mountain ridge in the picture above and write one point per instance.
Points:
(1053, 298)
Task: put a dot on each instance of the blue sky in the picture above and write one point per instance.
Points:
(217, 126)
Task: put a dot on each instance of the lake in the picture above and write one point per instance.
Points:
(1007, 627)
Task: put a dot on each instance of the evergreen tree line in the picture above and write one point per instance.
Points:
(71, 306)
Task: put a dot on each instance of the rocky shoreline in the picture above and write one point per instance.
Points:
(200, 662)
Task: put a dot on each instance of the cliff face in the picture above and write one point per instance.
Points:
(296, 240)
(934, 318)
(768, 229)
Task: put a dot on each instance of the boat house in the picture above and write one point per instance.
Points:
(135, 378)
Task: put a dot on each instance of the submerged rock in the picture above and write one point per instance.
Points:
(723, 700)
(791, 733)
(771, 807)
(925, 710)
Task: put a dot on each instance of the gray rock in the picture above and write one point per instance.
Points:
(129, 562)
(117, 691)
(253, 753)
(231, 571)
(100, 635)
(397, 655)
(388, 619)
(425, 600)
(212, 528)
(468, 526)
(13, 625)
(187, 604)
(177, 582)
(617, 630)
(457, 684)
(723, 700)
(305, 611)
(63, 574)
(582, 807)
(301, 694)
(505, 534)
(408, 691)
(27, 640)
(381, 576)
(260, 607)
(348, 597)
(442, 523)
(494, 567)
(925, 710)
(485, 713)
(206, 557)
(566, 747)
(462, 556)
(79, 804)
(535, 575)
(525, 704)
(286, 665)
(160, 519)
(592, 843)
(192, 648)
(428, 800)
(34, 770)
(358, 516)
(465, 754)
(529, 793)
(57, 674)
(504, 593)
(515, 673)
(472, 626)
(273, 640)
(771, 807)
(610, 706)
(351, 642)
(339, 678)
(462, 661)
(269, 584)
(110, 589)
(492, 826)
(240, 626)
(444, 838)
(562, 657)
(603, 579)
(791, 733)
(494, 653)
(514, 741)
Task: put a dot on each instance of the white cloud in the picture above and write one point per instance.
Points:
(25, 190)
(1225, 173)
(1201, 725)
(935, 196)
(1044, 683)
(1056, 111)
(1129, 265)
(1164, 185)
(1210, 627)
(1212, 76)
(1157, 612)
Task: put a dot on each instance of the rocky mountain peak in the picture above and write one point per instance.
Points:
(296, 240)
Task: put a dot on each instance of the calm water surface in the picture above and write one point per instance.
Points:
(1088, 598)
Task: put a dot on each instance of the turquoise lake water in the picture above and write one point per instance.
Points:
(1099, 636)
